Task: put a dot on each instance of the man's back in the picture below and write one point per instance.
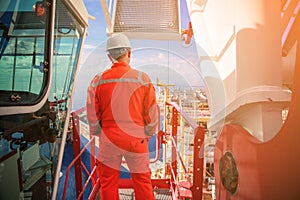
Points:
(125, 95)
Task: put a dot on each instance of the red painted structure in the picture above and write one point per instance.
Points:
(266, 170)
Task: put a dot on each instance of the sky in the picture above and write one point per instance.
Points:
(169, 62)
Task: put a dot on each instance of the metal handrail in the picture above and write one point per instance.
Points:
(158, 139)
(71, 165)
(195, 185)
(87, 182)
(181, 160)
(183, 114)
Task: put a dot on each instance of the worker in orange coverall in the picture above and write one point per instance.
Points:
(122, 110)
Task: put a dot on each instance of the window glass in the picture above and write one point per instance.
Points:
(21, 51)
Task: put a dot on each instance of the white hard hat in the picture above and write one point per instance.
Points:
(117, 41)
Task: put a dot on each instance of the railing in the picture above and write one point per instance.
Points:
(77, 163)
(186, 186)
(182, 185)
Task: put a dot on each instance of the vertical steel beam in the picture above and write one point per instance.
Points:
(174, 152)
(76, 145)
(197, 188)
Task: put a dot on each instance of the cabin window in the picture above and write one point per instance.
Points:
(28, 64)
(67, 40)
(22, 46)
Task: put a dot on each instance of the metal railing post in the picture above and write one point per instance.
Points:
(197, 188)
(76, 144)
(174, 152)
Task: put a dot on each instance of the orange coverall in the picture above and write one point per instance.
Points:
(122, 110)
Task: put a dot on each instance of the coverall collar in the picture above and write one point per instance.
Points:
(120, 64)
